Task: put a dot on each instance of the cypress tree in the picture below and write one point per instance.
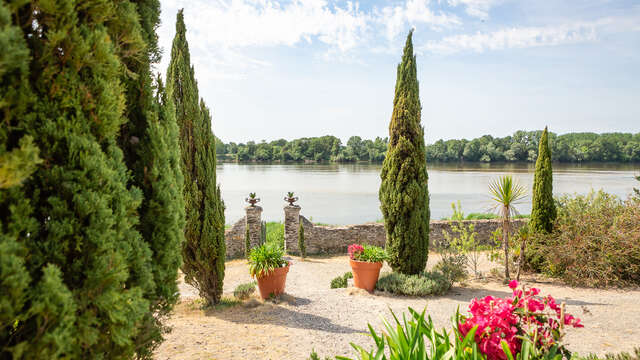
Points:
(76, 273)
(543, 210)
(204, 250)
(404, 195)
(301, 244)
(151, 150)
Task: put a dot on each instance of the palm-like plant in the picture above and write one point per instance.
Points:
(506, 193)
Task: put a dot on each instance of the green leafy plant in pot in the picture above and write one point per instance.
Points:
(366, 262)
(267, 265)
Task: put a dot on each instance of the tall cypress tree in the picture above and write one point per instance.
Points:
(404, 195)
(543, 210)
(149, 140)
(76, 273)
(204, 248)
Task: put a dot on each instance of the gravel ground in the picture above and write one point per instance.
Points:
(313, 316)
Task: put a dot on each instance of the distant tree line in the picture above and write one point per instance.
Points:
(324, 148)
(522, 146)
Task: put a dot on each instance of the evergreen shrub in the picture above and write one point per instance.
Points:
(424, 284)
(403, 194)
(243, 291)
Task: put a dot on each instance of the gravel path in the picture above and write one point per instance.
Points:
(316, 317)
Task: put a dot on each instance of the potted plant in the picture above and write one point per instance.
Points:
(252, 199)
(291, 198)
(267, 265)
(366, 262)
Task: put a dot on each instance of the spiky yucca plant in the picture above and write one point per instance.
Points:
(506, 193)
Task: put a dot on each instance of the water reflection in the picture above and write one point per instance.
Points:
(348, 193)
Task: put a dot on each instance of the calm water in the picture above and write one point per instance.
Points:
(348, 194)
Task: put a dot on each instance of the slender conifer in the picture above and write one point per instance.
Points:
(404, 195)
(543, 210)
(204, 248)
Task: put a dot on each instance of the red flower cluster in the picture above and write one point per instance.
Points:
(510, 319)
(355, 250)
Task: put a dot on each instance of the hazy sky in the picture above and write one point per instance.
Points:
(289, 69)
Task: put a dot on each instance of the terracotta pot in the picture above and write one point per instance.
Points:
(273, 283)
(365, 274)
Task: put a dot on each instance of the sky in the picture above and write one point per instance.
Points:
(288, 69)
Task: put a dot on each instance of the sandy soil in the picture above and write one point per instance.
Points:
(314, 316)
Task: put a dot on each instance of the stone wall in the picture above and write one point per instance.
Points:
(336, 239)
(234, 236)
(234, 239)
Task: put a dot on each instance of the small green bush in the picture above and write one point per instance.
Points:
(314, 356)
(453, 267)
(619, 356)
(243, 291)
(426, 283)
(341, 281)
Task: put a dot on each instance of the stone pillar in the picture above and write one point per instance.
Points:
(253, 221)
(291, 224)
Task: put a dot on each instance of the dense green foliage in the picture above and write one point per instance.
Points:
(423, 284)
(403, 194)
(243, 291)
(522, 146)
(204, 249)
(264, 259)
(543, 209)
(90, 195)
(595, 242)
(324, 148)
(275, 233)
(341, 281)
(149, 140)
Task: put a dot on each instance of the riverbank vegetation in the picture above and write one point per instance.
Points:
(520, 147)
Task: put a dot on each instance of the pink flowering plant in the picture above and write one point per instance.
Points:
(369, 253)
(507, 326)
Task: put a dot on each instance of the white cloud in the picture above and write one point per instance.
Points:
(241, 23)
(218, 30)
(397, 19)
(476, 8)
(516, 37)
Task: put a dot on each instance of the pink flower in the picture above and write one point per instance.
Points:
(522, 316)
(354, 251)
(513, 284)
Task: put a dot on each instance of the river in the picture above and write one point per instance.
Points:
(348, 193)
